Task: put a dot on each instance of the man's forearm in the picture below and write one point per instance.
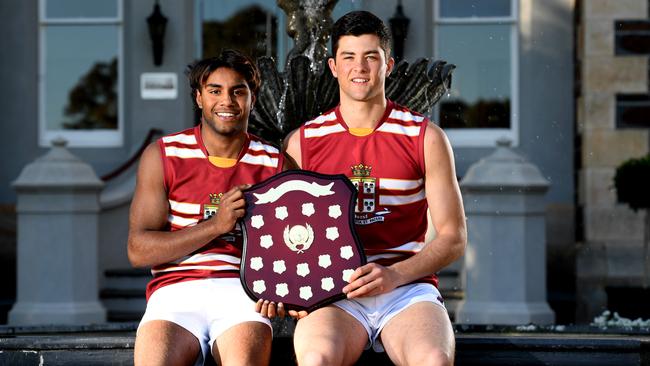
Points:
(436, 254)
(149, 248)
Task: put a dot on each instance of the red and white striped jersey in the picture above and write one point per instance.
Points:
(387, 167)
(194, 188)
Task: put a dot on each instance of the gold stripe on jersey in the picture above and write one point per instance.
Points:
(222, 162)
(361, 131)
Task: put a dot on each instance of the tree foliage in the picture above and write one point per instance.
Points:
(92, 103)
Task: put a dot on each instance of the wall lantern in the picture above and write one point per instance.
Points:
(157, 23)
(399, 26)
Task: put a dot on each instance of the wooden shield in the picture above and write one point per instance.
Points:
(300, 247)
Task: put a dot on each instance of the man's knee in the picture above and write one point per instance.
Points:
(435, 357)
(160, 342)
(247, 343)
(316, 357)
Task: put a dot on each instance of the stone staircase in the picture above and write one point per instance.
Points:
(123, 295)
(112, 344)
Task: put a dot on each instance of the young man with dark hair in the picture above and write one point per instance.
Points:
(401, 164)
(187, 200)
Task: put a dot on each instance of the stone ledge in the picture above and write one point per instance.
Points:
(486, 345)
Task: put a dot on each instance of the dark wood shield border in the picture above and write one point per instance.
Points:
(351, 204)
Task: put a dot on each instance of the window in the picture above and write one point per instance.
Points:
(256, 27)
(480, 38)
(252, 26)
(80, 72)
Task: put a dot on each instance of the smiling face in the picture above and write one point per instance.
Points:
(225, 100)
(361, 67)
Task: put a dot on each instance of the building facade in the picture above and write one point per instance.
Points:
(85, 71)
(612, 123)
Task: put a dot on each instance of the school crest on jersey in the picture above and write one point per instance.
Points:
(366, 188)
(366, 211)
(210, 209)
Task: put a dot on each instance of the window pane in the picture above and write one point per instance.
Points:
(81, 77)
(474, 8)
(480, 95)
(81, 9)
(244, 25)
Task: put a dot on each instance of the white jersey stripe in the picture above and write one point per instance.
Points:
(184, 153)
(322, 119)
(322, 131)
(413, 247)
(258, 146)
(396, 128)
(260, 160)
(201, 258)
(225, 267)
(405, 116)
(399, 184)
(181, 221)
(185, 139)
(390, 200)
(185, 208)
(374, 258)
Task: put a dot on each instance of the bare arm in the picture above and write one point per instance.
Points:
(448, 218)
(292, 146)
(289, 163)
(149, 242)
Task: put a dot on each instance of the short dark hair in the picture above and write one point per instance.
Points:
(357, 23)
(199, 71)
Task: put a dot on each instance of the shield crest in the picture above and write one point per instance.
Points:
(300, 247)
(366, 190)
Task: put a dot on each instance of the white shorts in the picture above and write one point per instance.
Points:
(376, 311)
(206, 308)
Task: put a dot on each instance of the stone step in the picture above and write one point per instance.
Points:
(124, 294)
(123, 305)
(127, 278)
(112, 344)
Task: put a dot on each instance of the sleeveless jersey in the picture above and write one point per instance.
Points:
(387, 168)
(194, 188)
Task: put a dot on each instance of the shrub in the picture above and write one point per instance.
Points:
(632, 181)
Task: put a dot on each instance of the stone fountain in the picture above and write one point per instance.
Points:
(307, 88)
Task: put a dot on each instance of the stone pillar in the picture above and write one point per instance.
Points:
(57, 210)
(505, 261)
